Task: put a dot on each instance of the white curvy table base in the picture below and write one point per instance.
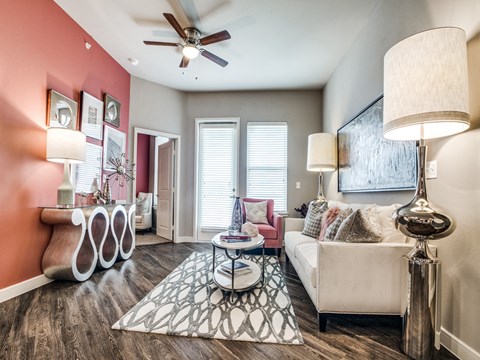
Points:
(87, 237)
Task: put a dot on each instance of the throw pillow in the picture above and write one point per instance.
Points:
(332, 230)
(362, 226)
(313, 220)
(256, 213)
(141, 206)
(328, 218)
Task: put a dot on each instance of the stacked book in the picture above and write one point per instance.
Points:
(239, 269)
(239, 237)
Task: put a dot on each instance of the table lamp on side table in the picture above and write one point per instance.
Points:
(321, 157)
(68, 147)
(426, 96)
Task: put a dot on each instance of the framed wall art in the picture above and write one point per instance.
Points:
(112, 110)
(88, 174)
(369, 162)
(92, 116)
(61, 111)
(113, 146)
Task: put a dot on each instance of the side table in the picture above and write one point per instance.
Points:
(87, 237)
(246, 281)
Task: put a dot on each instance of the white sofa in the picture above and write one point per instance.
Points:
(352, 278)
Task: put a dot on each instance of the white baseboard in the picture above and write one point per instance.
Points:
(23, 287)
(182, 239)
(457, 346)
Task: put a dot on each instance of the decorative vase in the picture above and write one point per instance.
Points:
(107, 196)
(237, 215)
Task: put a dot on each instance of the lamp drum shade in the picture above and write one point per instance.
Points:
(426, 86)
(65, 144)
(321, 152)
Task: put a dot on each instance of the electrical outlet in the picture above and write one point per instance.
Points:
(431, 169)
(297, 185)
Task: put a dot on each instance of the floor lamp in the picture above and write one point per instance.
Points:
(65, 146)
(321, 157)
(426, 96)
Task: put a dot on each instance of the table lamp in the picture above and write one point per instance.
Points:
(425, 97)
(321, 157)
(68, 147)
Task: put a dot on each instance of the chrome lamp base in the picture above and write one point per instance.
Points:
(421, 303)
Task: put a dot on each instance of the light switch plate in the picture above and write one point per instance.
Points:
(297, 185)
(431, 169)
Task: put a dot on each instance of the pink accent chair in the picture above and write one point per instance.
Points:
(273, 231)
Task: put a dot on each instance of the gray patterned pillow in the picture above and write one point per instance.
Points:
(333, 228)
(313, 220)
(256, 213)
(362, 226)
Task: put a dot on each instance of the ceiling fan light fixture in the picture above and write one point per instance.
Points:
(190, 51)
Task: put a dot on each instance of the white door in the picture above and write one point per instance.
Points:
(165, 190)
(217, 176)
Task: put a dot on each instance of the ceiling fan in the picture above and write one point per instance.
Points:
(192, 42)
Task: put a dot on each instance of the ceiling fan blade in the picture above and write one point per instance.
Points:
(214, 38)
(171, 19)
(214, 58)
(184, 62)
(160, 43)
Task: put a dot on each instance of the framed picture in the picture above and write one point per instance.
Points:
(88, 175)
(369, 162)
(113, 146)
(112, 111)
(61, 111)
(92, 116)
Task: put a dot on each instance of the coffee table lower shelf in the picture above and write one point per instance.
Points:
(241, 282)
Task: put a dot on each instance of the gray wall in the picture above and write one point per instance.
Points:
(162, 109)
(159, 108)
(358, 80)
(302, 110)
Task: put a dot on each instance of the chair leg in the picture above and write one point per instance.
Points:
(322, 322)
(279, 252)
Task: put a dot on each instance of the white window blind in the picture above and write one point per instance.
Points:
(267, 162)
(217, 162)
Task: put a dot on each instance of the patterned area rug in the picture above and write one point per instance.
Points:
(188, 303)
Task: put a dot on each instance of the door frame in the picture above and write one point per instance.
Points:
(199, 121)
(177, 139)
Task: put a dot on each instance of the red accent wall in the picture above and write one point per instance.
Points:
(143, 162)
(41, 48)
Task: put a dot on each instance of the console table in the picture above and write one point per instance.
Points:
(87, 237)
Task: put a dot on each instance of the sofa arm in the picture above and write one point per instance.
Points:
(360, 278)
(278, 225)
(294, 224)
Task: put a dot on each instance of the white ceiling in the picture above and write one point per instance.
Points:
(275, 44)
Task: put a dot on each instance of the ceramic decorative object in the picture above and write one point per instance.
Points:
(237, 215)
(250, 229)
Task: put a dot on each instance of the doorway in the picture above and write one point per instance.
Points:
(156, 154)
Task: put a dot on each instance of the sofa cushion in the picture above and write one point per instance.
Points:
(313, 220)
(345, 206)
(295, 238)
(328, 218)
(389, 233)
(362, 226)
(256, 212)
(267, 231)
(306, 255)
(333, 228)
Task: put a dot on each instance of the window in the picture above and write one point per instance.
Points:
(267, 162)
(216, 174)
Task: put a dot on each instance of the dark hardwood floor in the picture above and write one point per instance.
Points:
(65, 320)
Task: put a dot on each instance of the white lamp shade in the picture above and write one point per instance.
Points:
(321, 152)
(65, 144)
(426, 86)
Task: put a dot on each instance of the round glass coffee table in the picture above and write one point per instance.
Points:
(234, 252)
